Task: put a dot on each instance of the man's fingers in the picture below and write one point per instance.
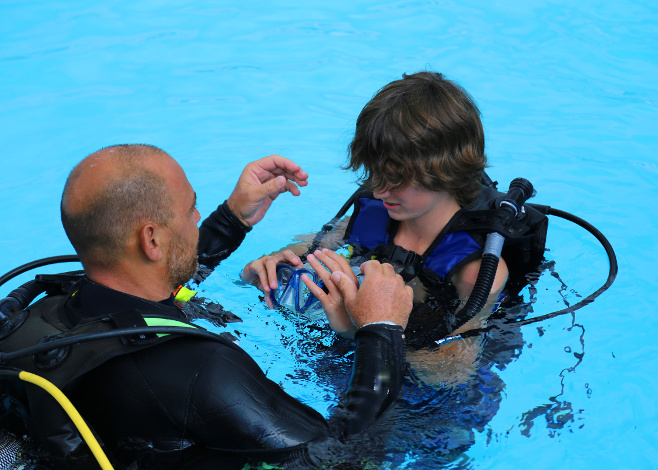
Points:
(346, 286)
(410, 294)
(372, 265)
(275, 186)
(291, 170)
(260, 183)
(292, 188)
(383, 296)
(387, 268)
(271, 186)
(278, 165)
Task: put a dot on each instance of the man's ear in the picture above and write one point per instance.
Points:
(151, 241)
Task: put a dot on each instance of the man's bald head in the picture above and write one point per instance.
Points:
(110, 194)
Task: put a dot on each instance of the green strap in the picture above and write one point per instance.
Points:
(260, 466)
(157, 321)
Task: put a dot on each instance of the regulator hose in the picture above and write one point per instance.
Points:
(37, 264)
(612, 275)
(21, 297)
(61, 342)
(326, 228)
(612, 269)
(70, 410)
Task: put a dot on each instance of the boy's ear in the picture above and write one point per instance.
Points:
(151, 241)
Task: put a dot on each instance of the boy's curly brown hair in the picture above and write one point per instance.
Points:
(422, 131)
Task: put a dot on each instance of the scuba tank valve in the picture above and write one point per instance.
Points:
(520, 190)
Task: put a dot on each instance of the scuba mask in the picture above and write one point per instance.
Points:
(292, 292)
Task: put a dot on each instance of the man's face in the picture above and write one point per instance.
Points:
(182, 259)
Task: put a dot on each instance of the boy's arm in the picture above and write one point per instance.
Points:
(454, 362)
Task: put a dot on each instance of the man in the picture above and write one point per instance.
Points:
(185, 402)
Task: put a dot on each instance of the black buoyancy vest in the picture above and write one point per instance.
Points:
(45, 321)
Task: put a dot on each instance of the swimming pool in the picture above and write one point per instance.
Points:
(568, 96)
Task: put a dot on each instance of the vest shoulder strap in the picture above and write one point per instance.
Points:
(41, 323)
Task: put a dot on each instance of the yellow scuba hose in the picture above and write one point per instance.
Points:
(65, 403)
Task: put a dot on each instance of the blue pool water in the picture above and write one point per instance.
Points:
(568, 96)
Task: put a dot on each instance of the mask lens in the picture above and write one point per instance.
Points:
(291, 290)
(305, 296)
(283, 275)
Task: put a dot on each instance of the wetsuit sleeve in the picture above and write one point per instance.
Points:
(238, 408)
(377, 376)
(220, 235)
(212, 396)
(235, 407)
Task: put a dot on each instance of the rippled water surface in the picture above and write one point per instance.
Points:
(568, 96)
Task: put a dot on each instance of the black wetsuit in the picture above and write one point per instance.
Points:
(196, 403)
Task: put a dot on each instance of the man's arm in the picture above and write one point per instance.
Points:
(220, 235)
(380, 309)
(377, 376)
(237, 410)
(236, 400)
(259, 185)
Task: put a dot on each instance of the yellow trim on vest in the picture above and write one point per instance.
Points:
(184, 294)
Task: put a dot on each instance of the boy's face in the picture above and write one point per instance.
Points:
(411, 203)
